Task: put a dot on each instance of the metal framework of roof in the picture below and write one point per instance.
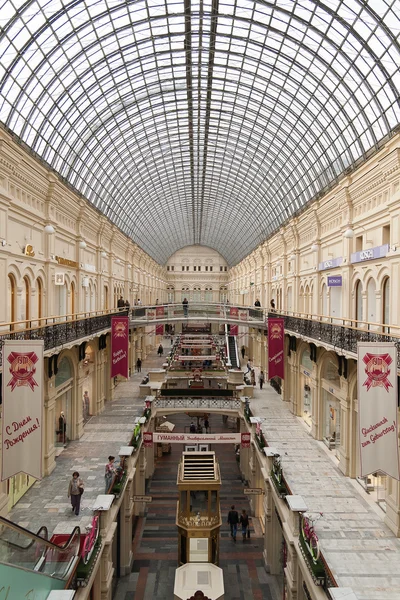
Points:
(200, 122)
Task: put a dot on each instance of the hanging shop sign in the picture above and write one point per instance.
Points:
(22, 425)
(370, 254)
(334, 281)
(276, 338)
(66, 262)
(330, 264)
(198, 438)
(119, 346)
(234, 312)
(159, 311)
(377, 393)
(150, 314)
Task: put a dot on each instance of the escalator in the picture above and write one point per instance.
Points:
(30, 563)
(233, 355)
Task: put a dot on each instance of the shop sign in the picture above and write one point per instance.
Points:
(143, 498)
(306, 373)
(22, 425)
(119, 346)
(147, 438)
(234, 312)
(276, 338)
(90, 268)
(334, 281)
(245, 440)
(331, 391)
(377, 393)
(330, 264)
(253, 491)
(66, 262)
(197, 438)
(370, 254)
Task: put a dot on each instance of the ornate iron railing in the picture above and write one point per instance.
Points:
(190, 403)
(64, 332)
(338, 336)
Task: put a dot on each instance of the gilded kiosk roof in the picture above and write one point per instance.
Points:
(198, 122)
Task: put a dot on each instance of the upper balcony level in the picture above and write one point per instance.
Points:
(60, 331)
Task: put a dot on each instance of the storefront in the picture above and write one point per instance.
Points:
(306, 375)
(88, 407)
(63, 399)
(330, 382)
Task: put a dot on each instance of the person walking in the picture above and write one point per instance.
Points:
(233, 520)
(243, 351)
(248, 367)
(109, 473)
(139, 365)
(253, 377)
(185, 304)
(261, 379)
(244, 521)
(160, 350)
(75, 491)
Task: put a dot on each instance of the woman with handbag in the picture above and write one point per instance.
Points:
(75, 491)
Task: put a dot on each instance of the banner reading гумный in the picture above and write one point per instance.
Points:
(276, 340)
(22, 408)
(119, 346)
(377, 408)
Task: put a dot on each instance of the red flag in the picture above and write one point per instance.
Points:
(276, 339)
(119, 346)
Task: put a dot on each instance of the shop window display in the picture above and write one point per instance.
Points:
(331, 422)
(305, 377)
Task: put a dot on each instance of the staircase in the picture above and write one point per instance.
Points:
(232, 349)
(30, 563)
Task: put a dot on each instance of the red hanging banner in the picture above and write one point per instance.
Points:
(233, 330)
(276, 338)
(119, 346)
(159, 329)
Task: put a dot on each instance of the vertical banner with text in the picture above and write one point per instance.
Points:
(22, 424)
(119, 346)
(276, 340)
(377, 408)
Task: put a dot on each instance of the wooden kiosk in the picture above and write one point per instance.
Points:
(198, 515)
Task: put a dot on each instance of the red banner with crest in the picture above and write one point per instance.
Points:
(119, 346)
(276, 355)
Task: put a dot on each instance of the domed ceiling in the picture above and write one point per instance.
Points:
(198, 122)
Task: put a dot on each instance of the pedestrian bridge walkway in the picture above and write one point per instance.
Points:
(199, 312)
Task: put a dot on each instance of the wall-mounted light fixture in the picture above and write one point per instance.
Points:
(349, 233)
(103, 254)
(117, 261)
(314, 248)
(49, 229)
(82, 244)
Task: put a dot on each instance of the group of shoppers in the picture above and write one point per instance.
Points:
(76, 486)
(234, 520)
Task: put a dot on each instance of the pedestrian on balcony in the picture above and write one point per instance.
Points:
(75, 490)
(109, 473)
(185, 304)
(127, 304)
(261, 379)
(121, 303)
(257, 303)
(272, 305)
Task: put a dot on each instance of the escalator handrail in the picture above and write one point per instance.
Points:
(43, 528)
(37, 538)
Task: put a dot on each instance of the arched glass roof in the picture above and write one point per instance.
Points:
(200, 122)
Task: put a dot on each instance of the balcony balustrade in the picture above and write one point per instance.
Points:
(59, 330)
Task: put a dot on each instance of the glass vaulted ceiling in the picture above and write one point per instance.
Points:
(200, 122)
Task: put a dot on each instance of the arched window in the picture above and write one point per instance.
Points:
(324, 300)
(39, 293)
(12, 294)
(196, 294)
(72, 298)
(371, 301)
(26, 308)
(386, 301)
(359, 303)
(64, 372)
(208, 297)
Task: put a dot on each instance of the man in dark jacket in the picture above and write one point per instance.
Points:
(233, 520)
